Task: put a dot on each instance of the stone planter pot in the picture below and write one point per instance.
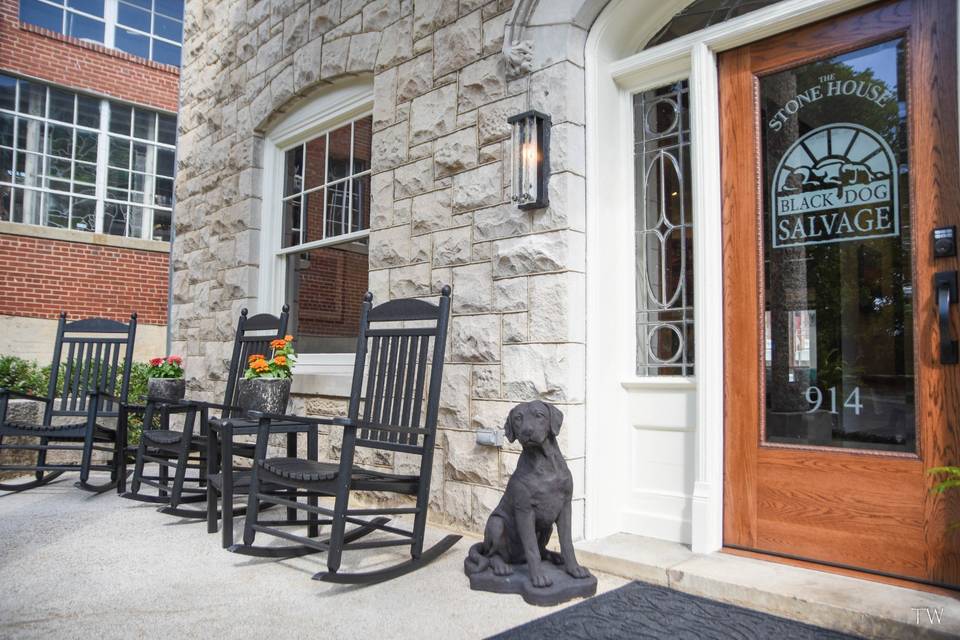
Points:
(269, 395)
(171, 389)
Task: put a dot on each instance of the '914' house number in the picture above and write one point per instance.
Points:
(815, 398)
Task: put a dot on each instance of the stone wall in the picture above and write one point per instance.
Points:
(443, 90)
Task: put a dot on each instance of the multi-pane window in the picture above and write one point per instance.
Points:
(73, 161)
(326, 215)
(664, 231)
(150, 29)
(327, 185)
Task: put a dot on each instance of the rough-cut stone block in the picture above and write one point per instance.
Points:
(433, 114)
(475, 338)
(384, 98)
(334, 58)
(492, 119)
(452, 246)
(491, 153)
(394, 247)
(389, 147)
(493, 30)
(414, 178)
(489, 414)
(567, 204)
(348, 27)
(568, 148)
(551, 372)
(482, 82)
(469, 462)
(477, 188)
(430, 15)
(380, 14)
(415, 77)
(558, 90)
(514, 328)
(457, 45)
(410, 282)
(510, 294)
(363, 52)
(501, 221)
(378, 283)
(323, 17)
(531, 254)
(556, 307)
(473, 288)
(396, 44)
(431, 211)
(454, 411)
(486, 381)
(455, 152)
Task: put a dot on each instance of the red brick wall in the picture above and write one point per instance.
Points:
(46, 55)
(330, 292)
(40, 277)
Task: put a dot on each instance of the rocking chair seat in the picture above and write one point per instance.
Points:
(301, 470)
(17, 427)
(168, 437)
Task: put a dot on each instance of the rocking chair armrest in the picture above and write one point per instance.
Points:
(260, 415)
(25, 396)
(128, 406)
(173, 406)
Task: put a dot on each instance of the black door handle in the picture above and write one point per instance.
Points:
(946, 285)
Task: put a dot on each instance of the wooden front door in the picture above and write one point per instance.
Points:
(839, 161)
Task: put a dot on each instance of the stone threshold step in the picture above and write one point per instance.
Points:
(842, 603)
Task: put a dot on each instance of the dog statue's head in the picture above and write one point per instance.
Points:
(532, 423)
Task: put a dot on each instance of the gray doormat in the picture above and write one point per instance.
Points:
(641, 610)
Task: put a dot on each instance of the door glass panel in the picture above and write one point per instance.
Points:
(838, 291)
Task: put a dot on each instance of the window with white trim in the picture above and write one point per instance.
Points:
(151, 29)
(74, 161)
(325, 209)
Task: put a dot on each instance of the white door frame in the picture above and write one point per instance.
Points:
(612, 77)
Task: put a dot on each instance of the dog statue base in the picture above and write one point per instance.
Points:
(564, 587)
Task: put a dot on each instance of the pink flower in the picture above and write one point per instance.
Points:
(156, 362)
(175, 360)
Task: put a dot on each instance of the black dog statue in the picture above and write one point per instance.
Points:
(513, 557)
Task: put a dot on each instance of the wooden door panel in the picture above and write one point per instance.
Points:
(862, 509)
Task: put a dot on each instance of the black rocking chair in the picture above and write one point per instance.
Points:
(95, 352)
(396, 416)
(171, 449)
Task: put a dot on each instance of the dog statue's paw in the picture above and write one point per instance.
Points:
(577, 571)
(500, 568)
(540, 580)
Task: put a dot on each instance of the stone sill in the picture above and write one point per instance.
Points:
(84, 237)
(331, 385)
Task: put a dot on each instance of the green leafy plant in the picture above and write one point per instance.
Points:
(278, 365)
(950, 481)
(169, 367)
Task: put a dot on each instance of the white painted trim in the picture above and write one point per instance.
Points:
(613, 73)
(344, 101)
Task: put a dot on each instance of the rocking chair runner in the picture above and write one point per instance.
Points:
(391, 391)
(171, 449)
(94, 353)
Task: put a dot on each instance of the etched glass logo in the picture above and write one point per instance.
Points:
(836, 183)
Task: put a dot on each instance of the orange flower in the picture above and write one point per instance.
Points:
(280, 361)
(259, 365)
(288, 338)
(278, 344)
(256, 356)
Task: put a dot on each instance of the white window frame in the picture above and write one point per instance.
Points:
(102, 165)
(110, 24)
(345, 102)
(610, 85)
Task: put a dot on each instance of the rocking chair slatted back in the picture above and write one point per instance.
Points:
(96, 354)
(403, 361)
(253, 336)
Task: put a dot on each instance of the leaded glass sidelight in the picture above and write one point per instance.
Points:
(664, 231)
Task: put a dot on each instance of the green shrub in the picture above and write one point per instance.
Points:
(951, 481)
(27, 376)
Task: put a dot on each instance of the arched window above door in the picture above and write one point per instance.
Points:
(701, 14)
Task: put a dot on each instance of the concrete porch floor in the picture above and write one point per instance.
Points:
(77, 565)
(82, 566)
(855, 606)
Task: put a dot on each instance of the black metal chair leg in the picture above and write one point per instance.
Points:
(138, 467)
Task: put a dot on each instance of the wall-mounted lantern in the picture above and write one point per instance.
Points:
(531, 159)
